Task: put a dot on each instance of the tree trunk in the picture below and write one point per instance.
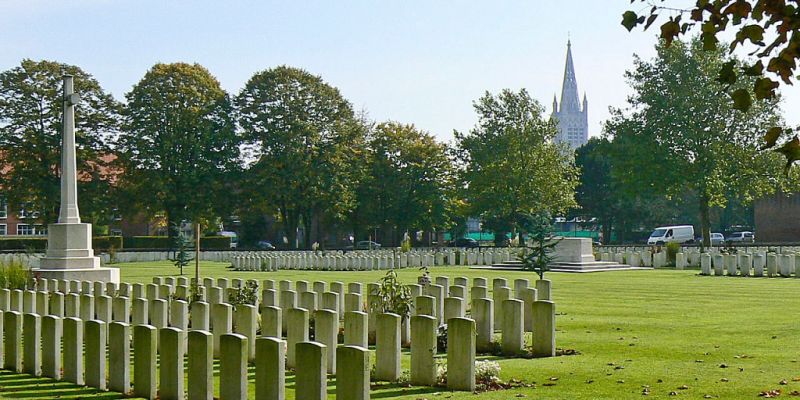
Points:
(290, 226)
(607, 231)
(307, 230)
(705, 221)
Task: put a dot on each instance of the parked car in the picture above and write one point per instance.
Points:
(366, 245)
(672, 234)
(469, 243)
(741, 237)
(717, 239)
(265, 245)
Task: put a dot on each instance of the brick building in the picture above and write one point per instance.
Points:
(777, 218)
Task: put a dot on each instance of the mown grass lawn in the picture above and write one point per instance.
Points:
(656, 332)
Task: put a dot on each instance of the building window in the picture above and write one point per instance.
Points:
(3, 208)
(3, 229)
(30, 230)
(27, 211)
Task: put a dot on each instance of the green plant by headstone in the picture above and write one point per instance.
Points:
(392, 296)
(183, 247)
(14, 275)
(672, 250)
(405, 245)
(537, 257)
(247, 294)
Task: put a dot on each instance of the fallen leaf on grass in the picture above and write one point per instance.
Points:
(770, 393)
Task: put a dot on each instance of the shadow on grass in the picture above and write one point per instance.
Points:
(388, 390)
(23, 386)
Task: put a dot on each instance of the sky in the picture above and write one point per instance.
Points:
(411, 61)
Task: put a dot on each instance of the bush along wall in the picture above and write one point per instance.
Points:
(23, 243)
(165, 243)
(105, 243)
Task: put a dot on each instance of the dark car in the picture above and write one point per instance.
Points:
(265, 245)
(366, 245)
(465, 242)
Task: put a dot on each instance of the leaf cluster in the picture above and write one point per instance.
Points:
(391, 296)
(511, 164)
(769, 28)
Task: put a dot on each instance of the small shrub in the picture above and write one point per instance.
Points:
(540, 233)
(441, 339)
(14, 275)
(441, 373)
(247, 294)
(405, 245)
(672, 250)
(487, 373)
(183, 245)
(392, 296)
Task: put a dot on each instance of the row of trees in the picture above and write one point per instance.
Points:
(290, 148)
(287, 146)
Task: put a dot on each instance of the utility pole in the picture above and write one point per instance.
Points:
(197, 255)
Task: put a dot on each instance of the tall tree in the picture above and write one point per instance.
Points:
(688, 139)
(31, 108)
(768, 29)
(305, 139)
(511, 165)
(409, 180)
(179, 148)
(596, 193)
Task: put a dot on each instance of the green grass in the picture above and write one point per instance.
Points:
(662, 329)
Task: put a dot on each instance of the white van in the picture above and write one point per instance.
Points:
(672, 234)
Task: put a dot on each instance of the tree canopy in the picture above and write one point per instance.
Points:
(31, 110)
(305, 139)
(769, 29)
(682, 138)
(511, 165)
(179, 145)
(408, 181)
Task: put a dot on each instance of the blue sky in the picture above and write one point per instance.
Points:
(420, 62)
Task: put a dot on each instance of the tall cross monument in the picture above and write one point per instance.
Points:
(69, 242)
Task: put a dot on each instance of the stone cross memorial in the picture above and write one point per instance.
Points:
(69, 242)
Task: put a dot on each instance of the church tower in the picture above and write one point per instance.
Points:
(572, 114)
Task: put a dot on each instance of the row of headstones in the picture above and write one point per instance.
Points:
(364, 261)
(163, 303)
(326, 328)
(96, 354)
(26, 259)
(746, 264)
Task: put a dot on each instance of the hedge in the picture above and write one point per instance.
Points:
(104, 243)
(215, 243)
(146, 242)
(164, 242)
(99, 243)
(23, 243)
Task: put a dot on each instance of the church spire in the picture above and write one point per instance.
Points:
(569, 89)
